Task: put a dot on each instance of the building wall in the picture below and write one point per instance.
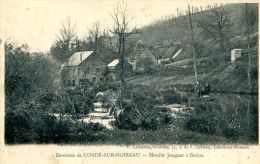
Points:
(113, 73)
(112, 76)
(145, 61)
(180, 57)
(92, 69)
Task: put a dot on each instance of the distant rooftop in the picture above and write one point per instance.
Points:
(77, 58)
(177, 53)
(113, 63)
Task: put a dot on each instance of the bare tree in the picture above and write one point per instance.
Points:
(217, 26)
(193, 48)
(122, 30)
(63, 43)
(66, 34)
(248, 50)
(94, 35)
(252, 110)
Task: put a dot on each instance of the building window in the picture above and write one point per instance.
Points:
(86, 70)
(97, 70)
(67, 82)
(73, 83)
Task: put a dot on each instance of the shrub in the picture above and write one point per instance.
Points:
(173, 96)
(89, 133)
(167, 119)
(127, 120)
(205, 118)
(141, 111)
(150, 123)
(209, 118)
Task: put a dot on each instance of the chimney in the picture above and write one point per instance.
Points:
(81, 56)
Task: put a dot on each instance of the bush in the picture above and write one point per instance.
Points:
(141, 112)
(209, 118)
(128, 120)
(174, 96)
(206, 118)
(22, 123)
(167, 119)
(150, 123)
(89, 133)
(106, 86)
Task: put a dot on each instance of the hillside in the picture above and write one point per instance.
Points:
(220, 73)
(233, 77)
(213, 64)
(178, 28)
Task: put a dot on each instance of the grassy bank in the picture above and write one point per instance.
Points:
(163, 136)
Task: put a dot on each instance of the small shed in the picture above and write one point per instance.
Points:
(113, 70)
(235, 54)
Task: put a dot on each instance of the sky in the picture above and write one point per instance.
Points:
(37, 22)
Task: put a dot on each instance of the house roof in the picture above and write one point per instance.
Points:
(113, 63)
(77, 58)
(106, 55)
(169, 52)
(141, 54)
(177, 53)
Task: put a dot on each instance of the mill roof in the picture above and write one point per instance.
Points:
(77, 58)
(113, 63)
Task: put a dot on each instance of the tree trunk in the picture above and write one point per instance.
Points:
(252, 105)
(192, 42)
(120, 48)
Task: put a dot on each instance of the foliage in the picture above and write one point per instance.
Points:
(141, 111)
(30, 99)
(89, 133)
(80, 101)
(174, 96)
(161, 31)
(127, 121)
(209, 118)
(147, 63)
(25, 75)
(217, 27)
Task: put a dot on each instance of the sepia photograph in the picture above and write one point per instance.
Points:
(185, 75)
(159, 79)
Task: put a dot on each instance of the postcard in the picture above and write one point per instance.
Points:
(129, 81)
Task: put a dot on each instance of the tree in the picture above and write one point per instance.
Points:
(122, 30)
(217, 27)
(64, 43)
(193, 48)
(27, 77)
(26, 74)
(252, 108)
(94, 36)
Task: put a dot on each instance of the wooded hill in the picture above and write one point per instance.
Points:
(213, 59)
(178, 28)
